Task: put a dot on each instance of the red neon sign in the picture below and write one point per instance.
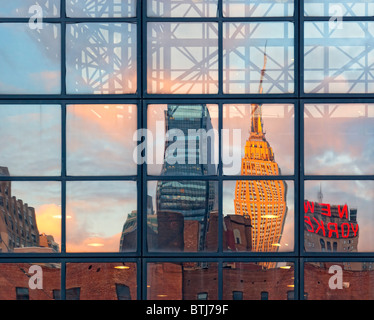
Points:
(329, 229)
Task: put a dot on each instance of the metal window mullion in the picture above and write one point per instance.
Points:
(220, 279)
(220, 49)
(63, 149)
(220, 181)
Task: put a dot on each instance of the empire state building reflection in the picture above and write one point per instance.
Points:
(263, 201)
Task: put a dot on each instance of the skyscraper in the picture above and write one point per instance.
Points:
(264, 201)
(194, 199)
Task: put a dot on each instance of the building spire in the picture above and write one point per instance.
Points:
(256, 126)
(320, 194)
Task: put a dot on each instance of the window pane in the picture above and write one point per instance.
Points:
(30, 8)
(182, 58)
(338, 57)
(16, 282)
(182, 281)
(254, 62)
(99, 215)
(31, 59)
(258, 280)
(183, 217)
(258, 8)
(183, 139)
(258, 139)
(186, 8)
(258, 216)
(101, 281)
(338, 8)
(31, 216)
(100, 139)
(338, 216)
(339, 280)
(101, 58)
(30, 136)
(106, 8)
(339, 138)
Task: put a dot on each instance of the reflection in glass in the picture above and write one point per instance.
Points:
(100, 216)
(15, 281)
(250, 281)
(258, 51)
(182, 216)
(338, 57)
(30, 136)
(338, 216)
(339, 139)
(258, 216)
(101, 58)
(258, 8)
(101, 8)
(186, 8)
(31, 59)
(182, 58)
(268, 149)
(30, 219)
(100, 139)
(101, 281)
(339, 280)
(184, 139)
(338, 8)
(30, 8)
(182, 281)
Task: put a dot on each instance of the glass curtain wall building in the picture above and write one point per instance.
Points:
(186, 150)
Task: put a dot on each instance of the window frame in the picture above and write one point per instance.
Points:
(142, 99)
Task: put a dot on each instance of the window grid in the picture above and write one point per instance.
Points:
(142, 99)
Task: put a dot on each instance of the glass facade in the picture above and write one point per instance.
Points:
(186, 150)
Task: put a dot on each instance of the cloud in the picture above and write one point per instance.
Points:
(95, 244)
(98, 211)
(48, 218)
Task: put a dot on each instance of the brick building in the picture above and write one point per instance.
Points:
(18, 227)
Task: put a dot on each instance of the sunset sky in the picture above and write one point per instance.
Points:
(99, 142)
(102, 58)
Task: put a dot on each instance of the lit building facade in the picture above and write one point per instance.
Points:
(264, 201)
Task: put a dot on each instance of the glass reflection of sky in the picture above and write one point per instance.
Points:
(339, 8)
(244, 46)
(101, 58)
(101, 9)
(182, 57)
(20, 8)
(338, 57)
(100, 139)
(98, 211)
(30, 136)
(339, 139)
(258, 8)
(30, 60)
(186, 8)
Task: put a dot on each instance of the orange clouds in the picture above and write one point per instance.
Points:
(117, 122)
(95, 244)
(49, 221)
